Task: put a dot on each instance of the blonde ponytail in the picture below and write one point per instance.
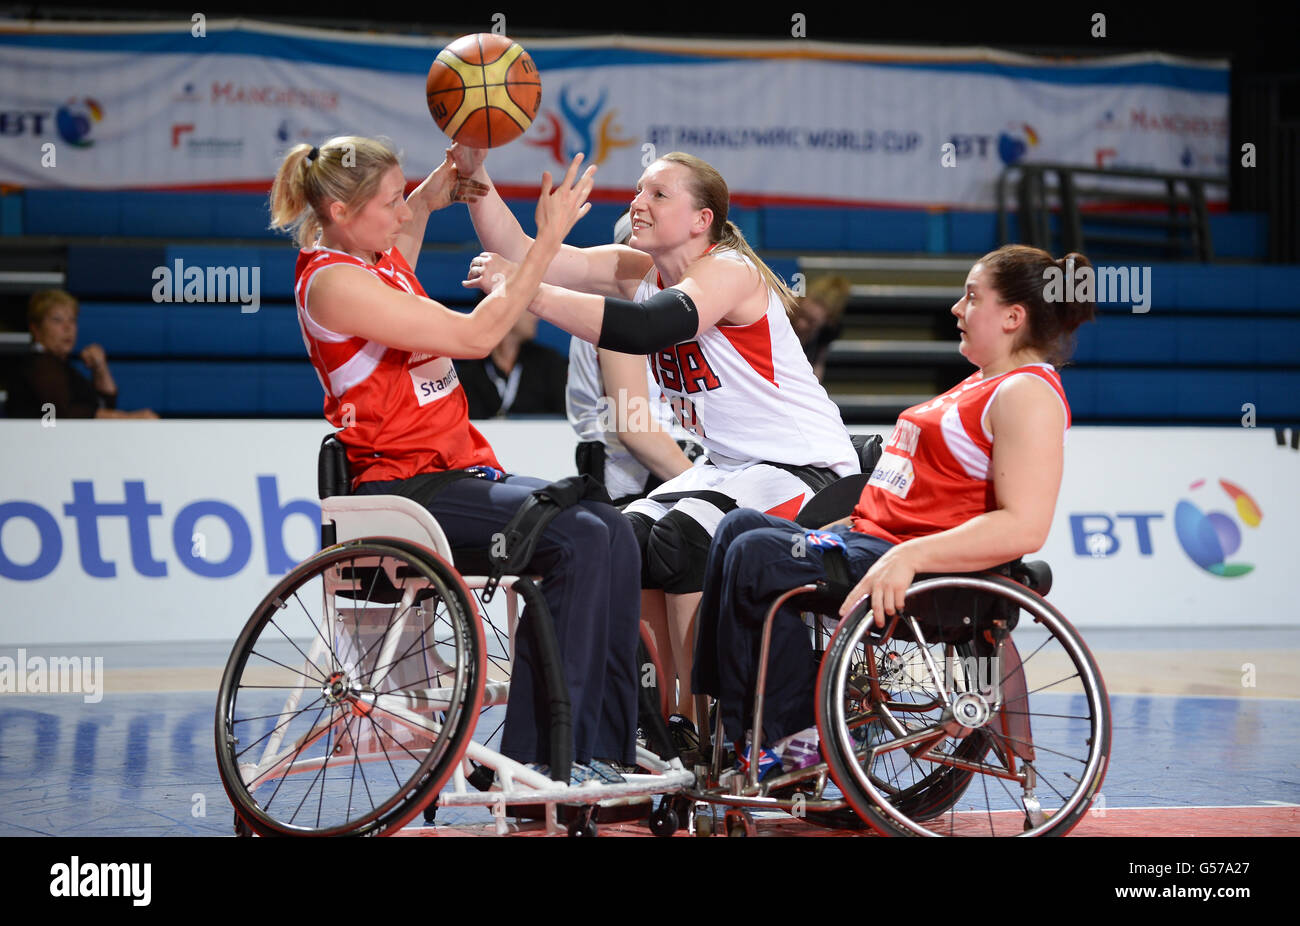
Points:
(346, 169)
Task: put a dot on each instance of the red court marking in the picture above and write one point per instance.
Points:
(1114, 821)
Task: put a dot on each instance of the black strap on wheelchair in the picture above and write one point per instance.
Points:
(870, 448)
(724, 503)
(839, 579)
(554, 707)
(589, 456)
(512, 552)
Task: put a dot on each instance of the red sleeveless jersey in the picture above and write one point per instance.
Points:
(399, 413)
(935, 472)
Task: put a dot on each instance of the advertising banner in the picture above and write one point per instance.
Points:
(175, 530)
(158, 106)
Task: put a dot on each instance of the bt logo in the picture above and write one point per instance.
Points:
(73, 121)
(76, 118)
(1207, 539)
(1010, 145)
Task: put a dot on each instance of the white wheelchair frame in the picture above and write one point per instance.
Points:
(379, 517)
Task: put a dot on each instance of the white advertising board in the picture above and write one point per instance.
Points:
(174, 530)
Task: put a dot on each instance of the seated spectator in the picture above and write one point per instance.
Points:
(519, 377)
(819, 319)
(46, 379)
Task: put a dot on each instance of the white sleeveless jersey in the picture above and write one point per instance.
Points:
(586, 388)
(749, 393)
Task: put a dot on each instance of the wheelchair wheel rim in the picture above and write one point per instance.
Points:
(359, 735)
(1066, 808)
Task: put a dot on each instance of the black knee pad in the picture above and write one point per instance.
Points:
(676, 555)
(642, 526)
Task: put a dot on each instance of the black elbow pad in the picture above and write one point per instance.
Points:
(665, 319)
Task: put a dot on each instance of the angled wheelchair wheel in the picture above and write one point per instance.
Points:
(966, 734)
(352, 692)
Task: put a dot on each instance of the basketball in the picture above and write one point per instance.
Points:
(484, 90)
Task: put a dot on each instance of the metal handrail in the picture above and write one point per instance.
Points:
(1032, 192)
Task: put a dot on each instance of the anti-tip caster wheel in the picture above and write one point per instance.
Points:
(663, 822)
(583, 823)
(739, 823)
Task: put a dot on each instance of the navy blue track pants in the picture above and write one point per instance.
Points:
(753, 559)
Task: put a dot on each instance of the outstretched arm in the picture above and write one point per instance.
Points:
(1028, 425)
(715, 290)
(350, 300)
(611, 269)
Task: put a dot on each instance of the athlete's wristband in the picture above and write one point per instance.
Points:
(663, 320)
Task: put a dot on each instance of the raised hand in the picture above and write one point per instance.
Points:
(559, 209)
(467, 160)
(448, 184)
(487, 271)
(92, 355)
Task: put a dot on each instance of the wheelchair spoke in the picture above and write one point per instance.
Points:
(358, 766)
(1053, 684)
(320, 680)
(427, 648)
(1046, 714)
(305, 658)
(278, 727)
(296, 752)
(334, 659)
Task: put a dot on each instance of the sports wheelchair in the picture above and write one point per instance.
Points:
(370, 684)
(925, 726)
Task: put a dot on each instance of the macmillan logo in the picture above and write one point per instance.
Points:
(1209, 539)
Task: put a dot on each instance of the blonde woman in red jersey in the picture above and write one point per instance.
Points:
(383, 350)
(966, 482)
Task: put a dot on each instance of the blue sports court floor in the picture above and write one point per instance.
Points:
(1206, 736)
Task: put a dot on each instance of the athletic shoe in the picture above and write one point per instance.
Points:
(799, 750)
(578, 773)
(609, 771)
(685, 737)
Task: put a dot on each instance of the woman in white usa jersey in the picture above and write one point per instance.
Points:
(691, 294)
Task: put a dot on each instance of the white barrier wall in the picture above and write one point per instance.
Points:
(174, 530)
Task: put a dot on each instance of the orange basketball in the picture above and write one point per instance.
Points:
(484, 90)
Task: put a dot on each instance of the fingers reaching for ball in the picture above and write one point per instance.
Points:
(467, 160)
(559, 208)
(488, 271)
